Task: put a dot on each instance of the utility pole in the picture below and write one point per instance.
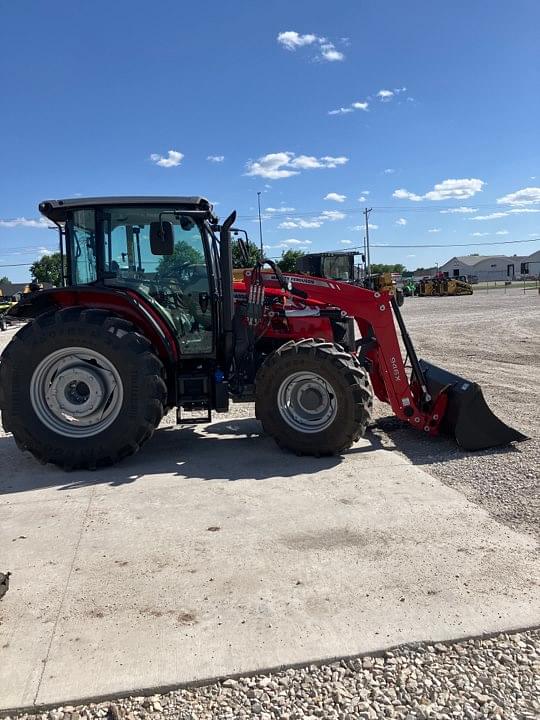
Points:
(368, 259)
(260, 224)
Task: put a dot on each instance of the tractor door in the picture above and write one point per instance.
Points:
(175, 277)
(114, 245)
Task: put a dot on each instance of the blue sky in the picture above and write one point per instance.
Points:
(286, 98)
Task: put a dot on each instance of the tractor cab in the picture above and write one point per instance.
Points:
(163, 249)
(341, 266)
(333, 265)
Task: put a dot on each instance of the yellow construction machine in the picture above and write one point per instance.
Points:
(442, 286)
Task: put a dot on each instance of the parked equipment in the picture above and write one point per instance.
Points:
(441, 286)
(410, 288)
(149, 319)
(341, 266)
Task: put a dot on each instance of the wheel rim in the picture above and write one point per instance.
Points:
(307, 402)
(76, 392)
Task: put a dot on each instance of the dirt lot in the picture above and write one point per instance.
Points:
(494, 339)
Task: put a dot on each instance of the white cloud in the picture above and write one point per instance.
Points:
(335, 197)
(402, 194)
(276, 166)
(26, 222)
(401, 221)
(389, 171)
(292, 242)
(356, 228)
(525, 196)
(332, 162)
(282, 209)
(410, 256)
(173, 159)
(382, 95)
(362, 198)
(291, 40)
(491, 216)
(434, 230)
(216, 158)
(272, 166)
(501, 232)
(299, 223)
(366, 192)
(329, 53)
(479, 234)
(305, 162)
(372, 226)
(447, 189)
(341, 111)
(331, 215)
(346, 242)
(459, 210)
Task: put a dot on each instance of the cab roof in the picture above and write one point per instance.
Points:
(56, 210)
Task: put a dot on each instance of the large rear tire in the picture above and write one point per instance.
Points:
(313, 397)
(81, 388)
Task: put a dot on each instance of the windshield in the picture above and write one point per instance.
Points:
(178, 282)
(337, 267)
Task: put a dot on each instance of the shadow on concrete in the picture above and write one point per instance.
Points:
(226, 451)
(390, 433)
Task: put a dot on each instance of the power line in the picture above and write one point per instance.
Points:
(17, 265)
(502, 242)
(385, 209)
(473, 244)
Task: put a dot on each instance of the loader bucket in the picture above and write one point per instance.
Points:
(467, 418)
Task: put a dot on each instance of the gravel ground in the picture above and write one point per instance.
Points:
(492, 678)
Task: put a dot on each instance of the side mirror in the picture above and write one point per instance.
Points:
(161, 238)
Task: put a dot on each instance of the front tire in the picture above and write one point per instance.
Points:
(80, 388)
(313, 397)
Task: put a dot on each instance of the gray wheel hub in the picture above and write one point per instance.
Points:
(76, 392)
(307, 402)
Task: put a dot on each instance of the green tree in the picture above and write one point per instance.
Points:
(384, 268)
(4, 280)
(238, 261)
(183, 255)
(288, 260)
(48, 269)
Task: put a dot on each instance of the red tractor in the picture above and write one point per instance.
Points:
(149, 318)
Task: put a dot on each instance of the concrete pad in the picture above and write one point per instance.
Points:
(212, 553)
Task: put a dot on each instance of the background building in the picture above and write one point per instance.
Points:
(493, 267)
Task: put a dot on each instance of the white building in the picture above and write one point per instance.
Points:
(493, 267)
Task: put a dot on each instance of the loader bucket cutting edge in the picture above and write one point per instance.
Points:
(467, 418)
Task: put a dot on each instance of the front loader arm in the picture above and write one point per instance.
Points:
(374, 313)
